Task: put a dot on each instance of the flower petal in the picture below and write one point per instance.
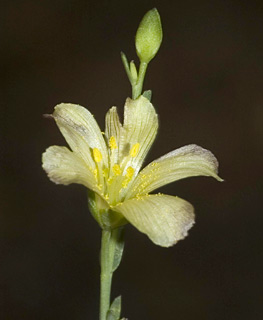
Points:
(81, 131)
(112, 125)
(139, 131)
(65, 167)
(113, 130)
(181, 163)
(164, 219)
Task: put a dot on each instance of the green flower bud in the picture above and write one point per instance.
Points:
(149, 36)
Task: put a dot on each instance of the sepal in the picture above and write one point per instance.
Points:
(101, 212)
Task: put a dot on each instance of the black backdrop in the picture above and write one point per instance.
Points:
(207, 88)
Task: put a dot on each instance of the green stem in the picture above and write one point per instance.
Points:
(109, 246)
(137, 88)
(135, 81)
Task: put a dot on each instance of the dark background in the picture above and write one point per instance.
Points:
(207, 86)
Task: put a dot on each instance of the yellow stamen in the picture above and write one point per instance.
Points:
(128, 176)
(95, 172)
(105, 172)
(134, 150)
(97, 155)
(130, 172)
(112, 143)
(116, 169)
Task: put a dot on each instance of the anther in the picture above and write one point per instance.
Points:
(112, 143)
(134, 150)
(97, 155)
(116, 169)
(130, 172)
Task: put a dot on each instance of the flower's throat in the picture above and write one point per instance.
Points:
(114, 179)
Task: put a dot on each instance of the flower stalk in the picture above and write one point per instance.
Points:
(110, 257)
(106, 256)
(137, 87)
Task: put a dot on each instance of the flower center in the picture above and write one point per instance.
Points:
(121, 170)
(113, 180)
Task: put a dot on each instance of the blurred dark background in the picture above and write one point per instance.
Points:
(207, 89)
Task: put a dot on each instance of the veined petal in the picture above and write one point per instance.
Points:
(65, 167)
(113, 130)
(112, 125)
(181, 163)
(164, 219)
(139, 131)
(81, 132)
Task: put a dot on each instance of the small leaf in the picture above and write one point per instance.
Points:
(118, 249)
(115, 309)
(126, 66)
(148, 94)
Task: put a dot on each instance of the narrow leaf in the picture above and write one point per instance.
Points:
(148, 94)
(126, 66)
(118, 249)
(115, 309)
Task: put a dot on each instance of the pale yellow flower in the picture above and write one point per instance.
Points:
(109, 165)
